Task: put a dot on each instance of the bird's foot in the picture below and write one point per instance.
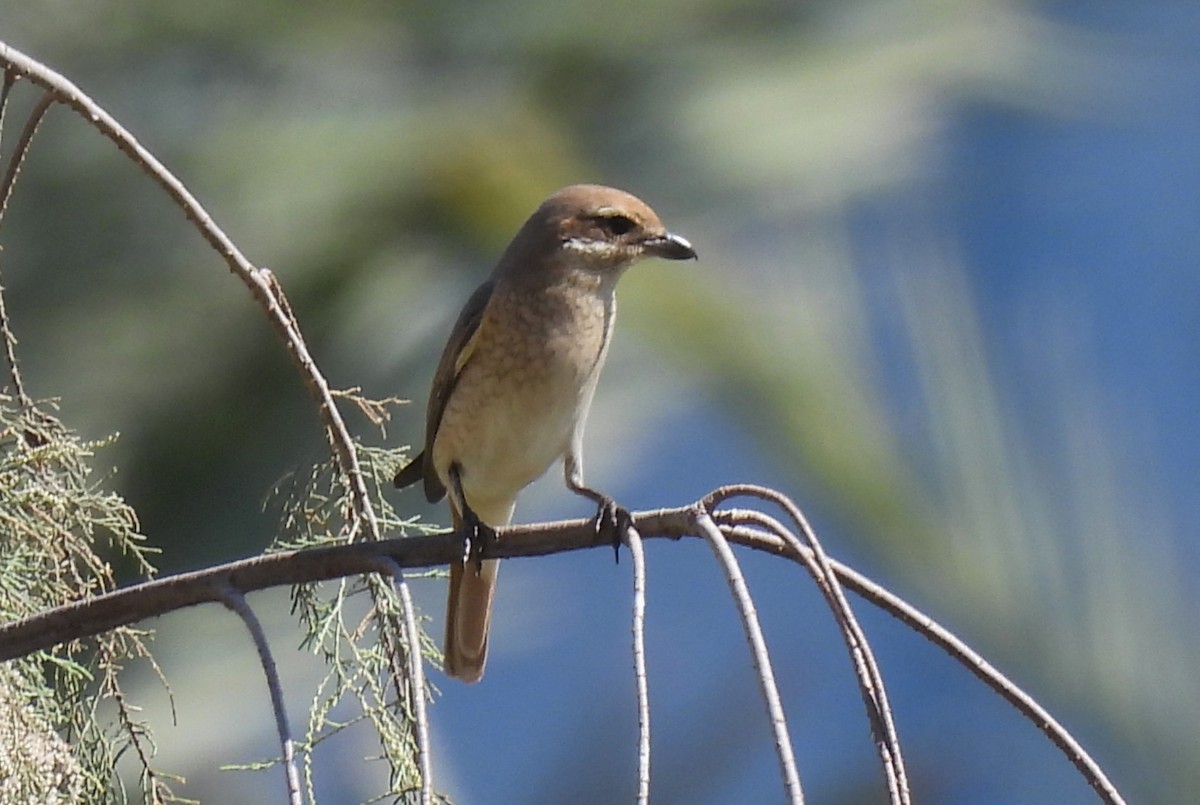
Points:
(615, 520)
(479, 535)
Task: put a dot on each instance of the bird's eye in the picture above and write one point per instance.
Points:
(615, 225)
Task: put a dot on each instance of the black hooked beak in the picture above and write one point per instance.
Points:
(670, 247)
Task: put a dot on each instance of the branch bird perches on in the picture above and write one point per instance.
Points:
(740, 526)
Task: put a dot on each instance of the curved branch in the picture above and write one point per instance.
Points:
(634, 540)
(758, 652)
(954, 646)
(235, 600)
(870, 680)
(416, 674)
(260, 281)
(22, 148)
(6, 187)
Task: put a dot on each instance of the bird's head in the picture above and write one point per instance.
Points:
(599, 229)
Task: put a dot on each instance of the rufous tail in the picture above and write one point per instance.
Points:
(469, 607)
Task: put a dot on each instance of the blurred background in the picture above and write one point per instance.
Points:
(946, 300)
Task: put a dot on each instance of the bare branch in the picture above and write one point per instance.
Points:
(870, 680)
(236, 601)
(416, 675)
(261, 283)
(22, 148)
(93, 616)
(10, 79)
(634, 540)
(953, 645)
(6, 188)
(758, 652)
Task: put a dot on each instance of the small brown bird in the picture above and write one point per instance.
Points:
(512, 390)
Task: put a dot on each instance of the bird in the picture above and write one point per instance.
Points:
(511, 393)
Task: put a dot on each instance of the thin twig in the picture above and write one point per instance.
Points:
(22, 148)
(154, 788)
(634, 540)
(10, 353)
(364, 523)
(870, 681)
(10, 79)
(954, 646)
(416, 675)
(236, 601)
(758, 651)
(871, 685)
(6, 187)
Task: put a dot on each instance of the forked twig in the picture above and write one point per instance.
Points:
(871, 685)
(236, 601)
(870, 681)
(634, 540)
(758, 651)
(954, 646)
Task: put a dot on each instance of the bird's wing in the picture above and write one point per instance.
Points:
(454, 358)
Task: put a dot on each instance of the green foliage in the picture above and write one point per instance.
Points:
(355, 625)
(65, 721)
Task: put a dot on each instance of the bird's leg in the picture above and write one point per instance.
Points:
(610, 516)
(479, 534)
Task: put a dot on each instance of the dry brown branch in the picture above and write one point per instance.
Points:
(939, 635)
(377, 412)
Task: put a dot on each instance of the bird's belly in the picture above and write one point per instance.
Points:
(506, 431)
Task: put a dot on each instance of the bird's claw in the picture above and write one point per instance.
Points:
(478, 536)
(614, 519)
